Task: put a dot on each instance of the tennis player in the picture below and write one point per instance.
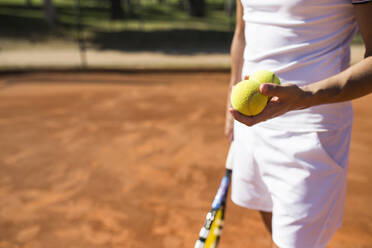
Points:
(292, 168)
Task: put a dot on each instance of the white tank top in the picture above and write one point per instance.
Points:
(302, 41)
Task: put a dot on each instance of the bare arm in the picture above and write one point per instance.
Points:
(352, 83)
(236, 54)
(237, 46)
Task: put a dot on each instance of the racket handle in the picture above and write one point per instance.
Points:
(199, 244)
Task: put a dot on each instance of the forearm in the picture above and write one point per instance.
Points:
(237, 46)
(354, 82)
(236, 54)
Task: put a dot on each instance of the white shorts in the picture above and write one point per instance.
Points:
(298, 176)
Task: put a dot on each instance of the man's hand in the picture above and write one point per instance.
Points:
(284, 98)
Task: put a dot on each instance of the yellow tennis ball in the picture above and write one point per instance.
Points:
(265, 76)
(247, 99)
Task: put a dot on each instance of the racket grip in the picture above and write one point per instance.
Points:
(199, 244)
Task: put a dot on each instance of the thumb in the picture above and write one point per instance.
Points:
(274, 90)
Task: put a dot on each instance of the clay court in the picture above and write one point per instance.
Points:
(133, 160)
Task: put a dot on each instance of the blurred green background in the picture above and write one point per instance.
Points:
(79, 32)
(142, 25)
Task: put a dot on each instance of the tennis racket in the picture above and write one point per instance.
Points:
(210, 233)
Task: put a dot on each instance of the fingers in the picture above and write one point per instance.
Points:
(283, 98)
(269, 89)
(247, 120)
(273, 109)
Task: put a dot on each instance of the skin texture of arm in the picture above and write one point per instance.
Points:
(236, 54)
(352, 83)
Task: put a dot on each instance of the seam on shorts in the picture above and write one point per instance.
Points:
(324, 227)
(326, 222)
(341, 167)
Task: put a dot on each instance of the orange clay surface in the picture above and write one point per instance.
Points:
(133, 160)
